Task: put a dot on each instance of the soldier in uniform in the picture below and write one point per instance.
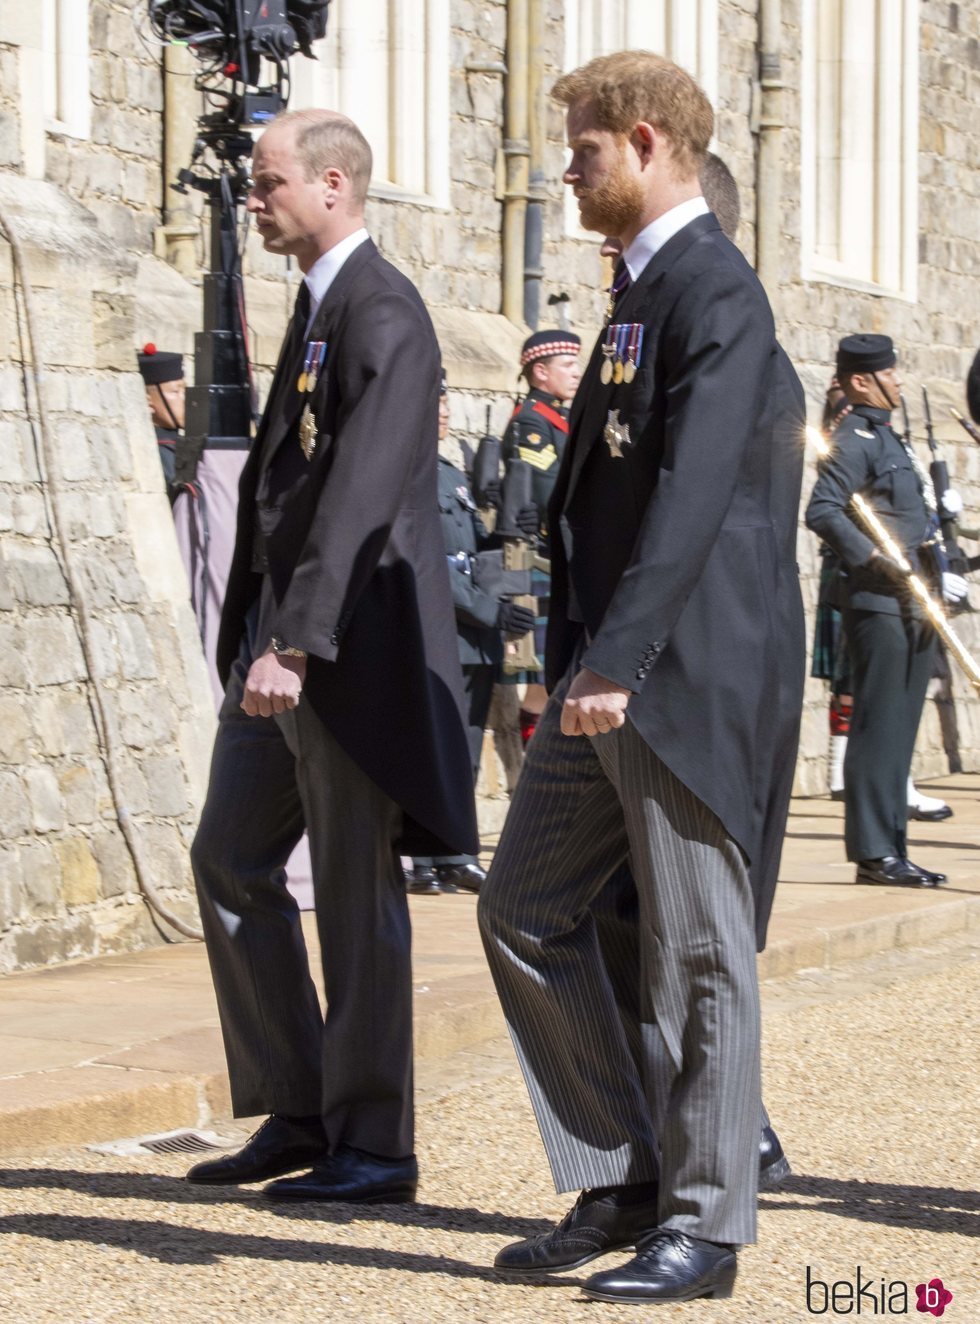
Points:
(892, 647)
(163, 376)
(537, 434)
(480, 618)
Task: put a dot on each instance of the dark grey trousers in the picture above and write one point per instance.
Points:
(892, 659)
(690, 1113)
(270, 777)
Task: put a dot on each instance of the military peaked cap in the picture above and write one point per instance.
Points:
(864, 353)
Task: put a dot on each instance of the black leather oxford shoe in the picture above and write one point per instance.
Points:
(349, 1176)
(280, 1145)
(930, 815)
(669, 1266)
(469, 877)
(895, 871)
(594, 1226)
(422, 882)
(935, 878)
(773, 1164)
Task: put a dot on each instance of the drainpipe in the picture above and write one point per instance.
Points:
(769, 179)
(537, 184)
(516, 152)
(180, 234)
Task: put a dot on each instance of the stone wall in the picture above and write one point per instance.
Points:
(67, 883)
(117, 173)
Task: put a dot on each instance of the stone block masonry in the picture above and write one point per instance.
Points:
(67, 882)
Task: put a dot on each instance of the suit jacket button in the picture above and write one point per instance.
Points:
(335, 638)
(641, 673)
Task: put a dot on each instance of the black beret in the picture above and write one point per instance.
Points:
(973, 388)
(158, 366)
(546, 344)
(864, 353)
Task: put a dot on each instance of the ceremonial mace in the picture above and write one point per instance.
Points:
(887, 544)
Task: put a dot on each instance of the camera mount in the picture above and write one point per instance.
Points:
(238, 42)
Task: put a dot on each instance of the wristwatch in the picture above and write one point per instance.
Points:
(282, 649)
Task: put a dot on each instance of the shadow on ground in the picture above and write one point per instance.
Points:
(174, 1190)
(929, 1208)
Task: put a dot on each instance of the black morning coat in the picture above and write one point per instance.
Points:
(355, 549)
(672, 557)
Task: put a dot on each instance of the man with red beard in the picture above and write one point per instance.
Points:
(662, 655)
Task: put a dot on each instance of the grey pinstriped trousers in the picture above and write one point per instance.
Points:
(676, 1095)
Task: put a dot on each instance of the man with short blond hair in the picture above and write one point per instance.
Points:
(662, 658)
(343, 701)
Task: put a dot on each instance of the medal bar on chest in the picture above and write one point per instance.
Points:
(621, 352)
(313, 358)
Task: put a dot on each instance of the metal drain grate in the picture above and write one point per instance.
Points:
(181, 1142)
(168, 1142)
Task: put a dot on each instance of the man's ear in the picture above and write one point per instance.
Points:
(334, 179)
(645, 140)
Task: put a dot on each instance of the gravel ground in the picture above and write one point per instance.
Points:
(871, 1079)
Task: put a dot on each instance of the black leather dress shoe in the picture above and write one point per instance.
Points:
(930, 815)
(669, 1266)
(895, 871)
(349, 1176)
(422, 882)
(773, 1164)
(937, 878)
(594, 1226)
(469, 877)
(278, 1146)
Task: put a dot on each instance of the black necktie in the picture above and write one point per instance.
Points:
(301, 309)
(621, 283)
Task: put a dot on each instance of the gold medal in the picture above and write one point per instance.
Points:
(301, 383)
(307, 432)
(629, 371)
(618, 372)
(606, 371)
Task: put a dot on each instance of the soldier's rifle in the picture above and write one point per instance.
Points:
(887, 544)
(939, 473)
(969, 428)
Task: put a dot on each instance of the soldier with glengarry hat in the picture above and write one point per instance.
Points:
(891, 644)
(537, 434)
(163, 376)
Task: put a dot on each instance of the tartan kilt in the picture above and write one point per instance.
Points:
(826, 642)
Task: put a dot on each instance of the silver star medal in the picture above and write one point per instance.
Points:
(616, 434)
(307, 432)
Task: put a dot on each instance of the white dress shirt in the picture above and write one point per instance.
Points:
(321, 275)
(656, 234)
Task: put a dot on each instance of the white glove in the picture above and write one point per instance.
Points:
(952, 503)
(955, 587)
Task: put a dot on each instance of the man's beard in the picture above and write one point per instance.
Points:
(614, 205)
